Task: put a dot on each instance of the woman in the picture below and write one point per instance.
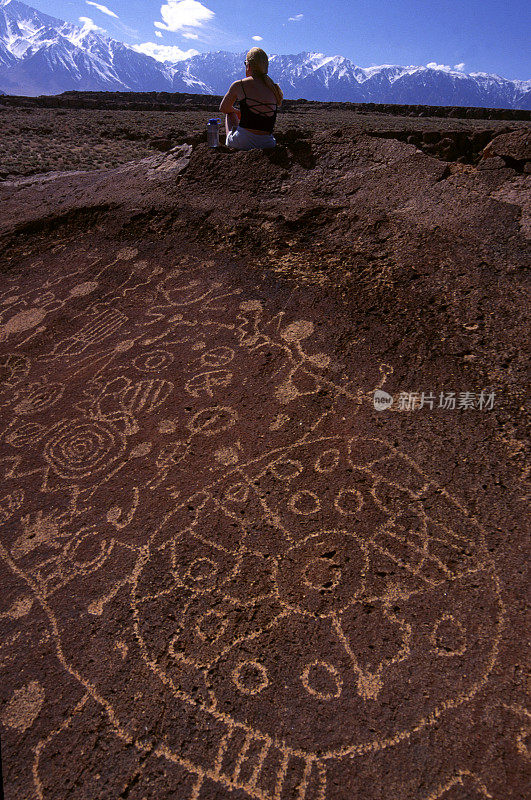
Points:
(259, 99)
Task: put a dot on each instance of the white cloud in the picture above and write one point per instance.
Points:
(163, 52)
(159, 34)
(446, 67)
(90, 25)
(190, 36)
(257, 38)
(442, 67)
(179, 14)
(296, 18)
(103, 9)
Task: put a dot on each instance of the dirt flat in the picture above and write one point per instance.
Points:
(225, 572)
(35, 139)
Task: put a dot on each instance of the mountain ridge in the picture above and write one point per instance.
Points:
(41, 54)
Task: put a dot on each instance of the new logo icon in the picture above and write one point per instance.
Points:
(382, 400)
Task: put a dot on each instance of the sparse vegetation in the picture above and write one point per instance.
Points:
(34, 140)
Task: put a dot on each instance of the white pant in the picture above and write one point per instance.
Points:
(243, 139)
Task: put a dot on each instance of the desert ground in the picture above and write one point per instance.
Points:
(228, 571)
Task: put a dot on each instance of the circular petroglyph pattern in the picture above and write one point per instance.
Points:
(328, 460)
(81, 448)
(250, 677)
(323, 574)
(348, 501)
(200, 570)
(285, 595)
(370, 610)
(304, 503)
(322, 680)
(88, 550)
(153, 361)
(212, 625)
(285, 469)
(449, 636)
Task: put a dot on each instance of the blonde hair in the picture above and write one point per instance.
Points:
(258, 63)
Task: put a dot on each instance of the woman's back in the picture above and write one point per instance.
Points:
(259, 98)
(258, 105)
(255, 89)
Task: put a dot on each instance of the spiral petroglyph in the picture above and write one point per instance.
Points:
(81, 448)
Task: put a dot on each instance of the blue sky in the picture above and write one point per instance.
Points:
(472, 35)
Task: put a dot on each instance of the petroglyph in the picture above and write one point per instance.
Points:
(24, 706)
(277, 578)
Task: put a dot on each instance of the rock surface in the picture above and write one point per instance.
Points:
(226, 575)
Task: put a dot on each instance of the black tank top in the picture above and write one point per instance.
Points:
(257, 120)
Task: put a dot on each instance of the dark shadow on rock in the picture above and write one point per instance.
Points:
(279, 155)
(82, 218)
(466, 147)
(513, 149)
(293, 146)
(298, 145)
(162, 144)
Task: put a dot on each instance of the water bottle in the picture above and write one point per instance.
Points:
(213, 132)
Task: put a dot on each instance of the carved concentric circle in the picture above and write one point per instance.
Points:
(324, 573)
(80, 448)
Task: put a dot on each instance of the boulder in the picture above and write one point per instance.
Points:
(493, 162)
(515, 145)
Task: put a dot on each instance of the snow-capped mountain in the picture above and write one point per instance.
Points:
(40, 54)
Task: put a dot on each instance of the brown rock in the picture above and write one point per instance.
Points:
(492, 162)
(266, 587)
(515, 145)
(161, 144)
